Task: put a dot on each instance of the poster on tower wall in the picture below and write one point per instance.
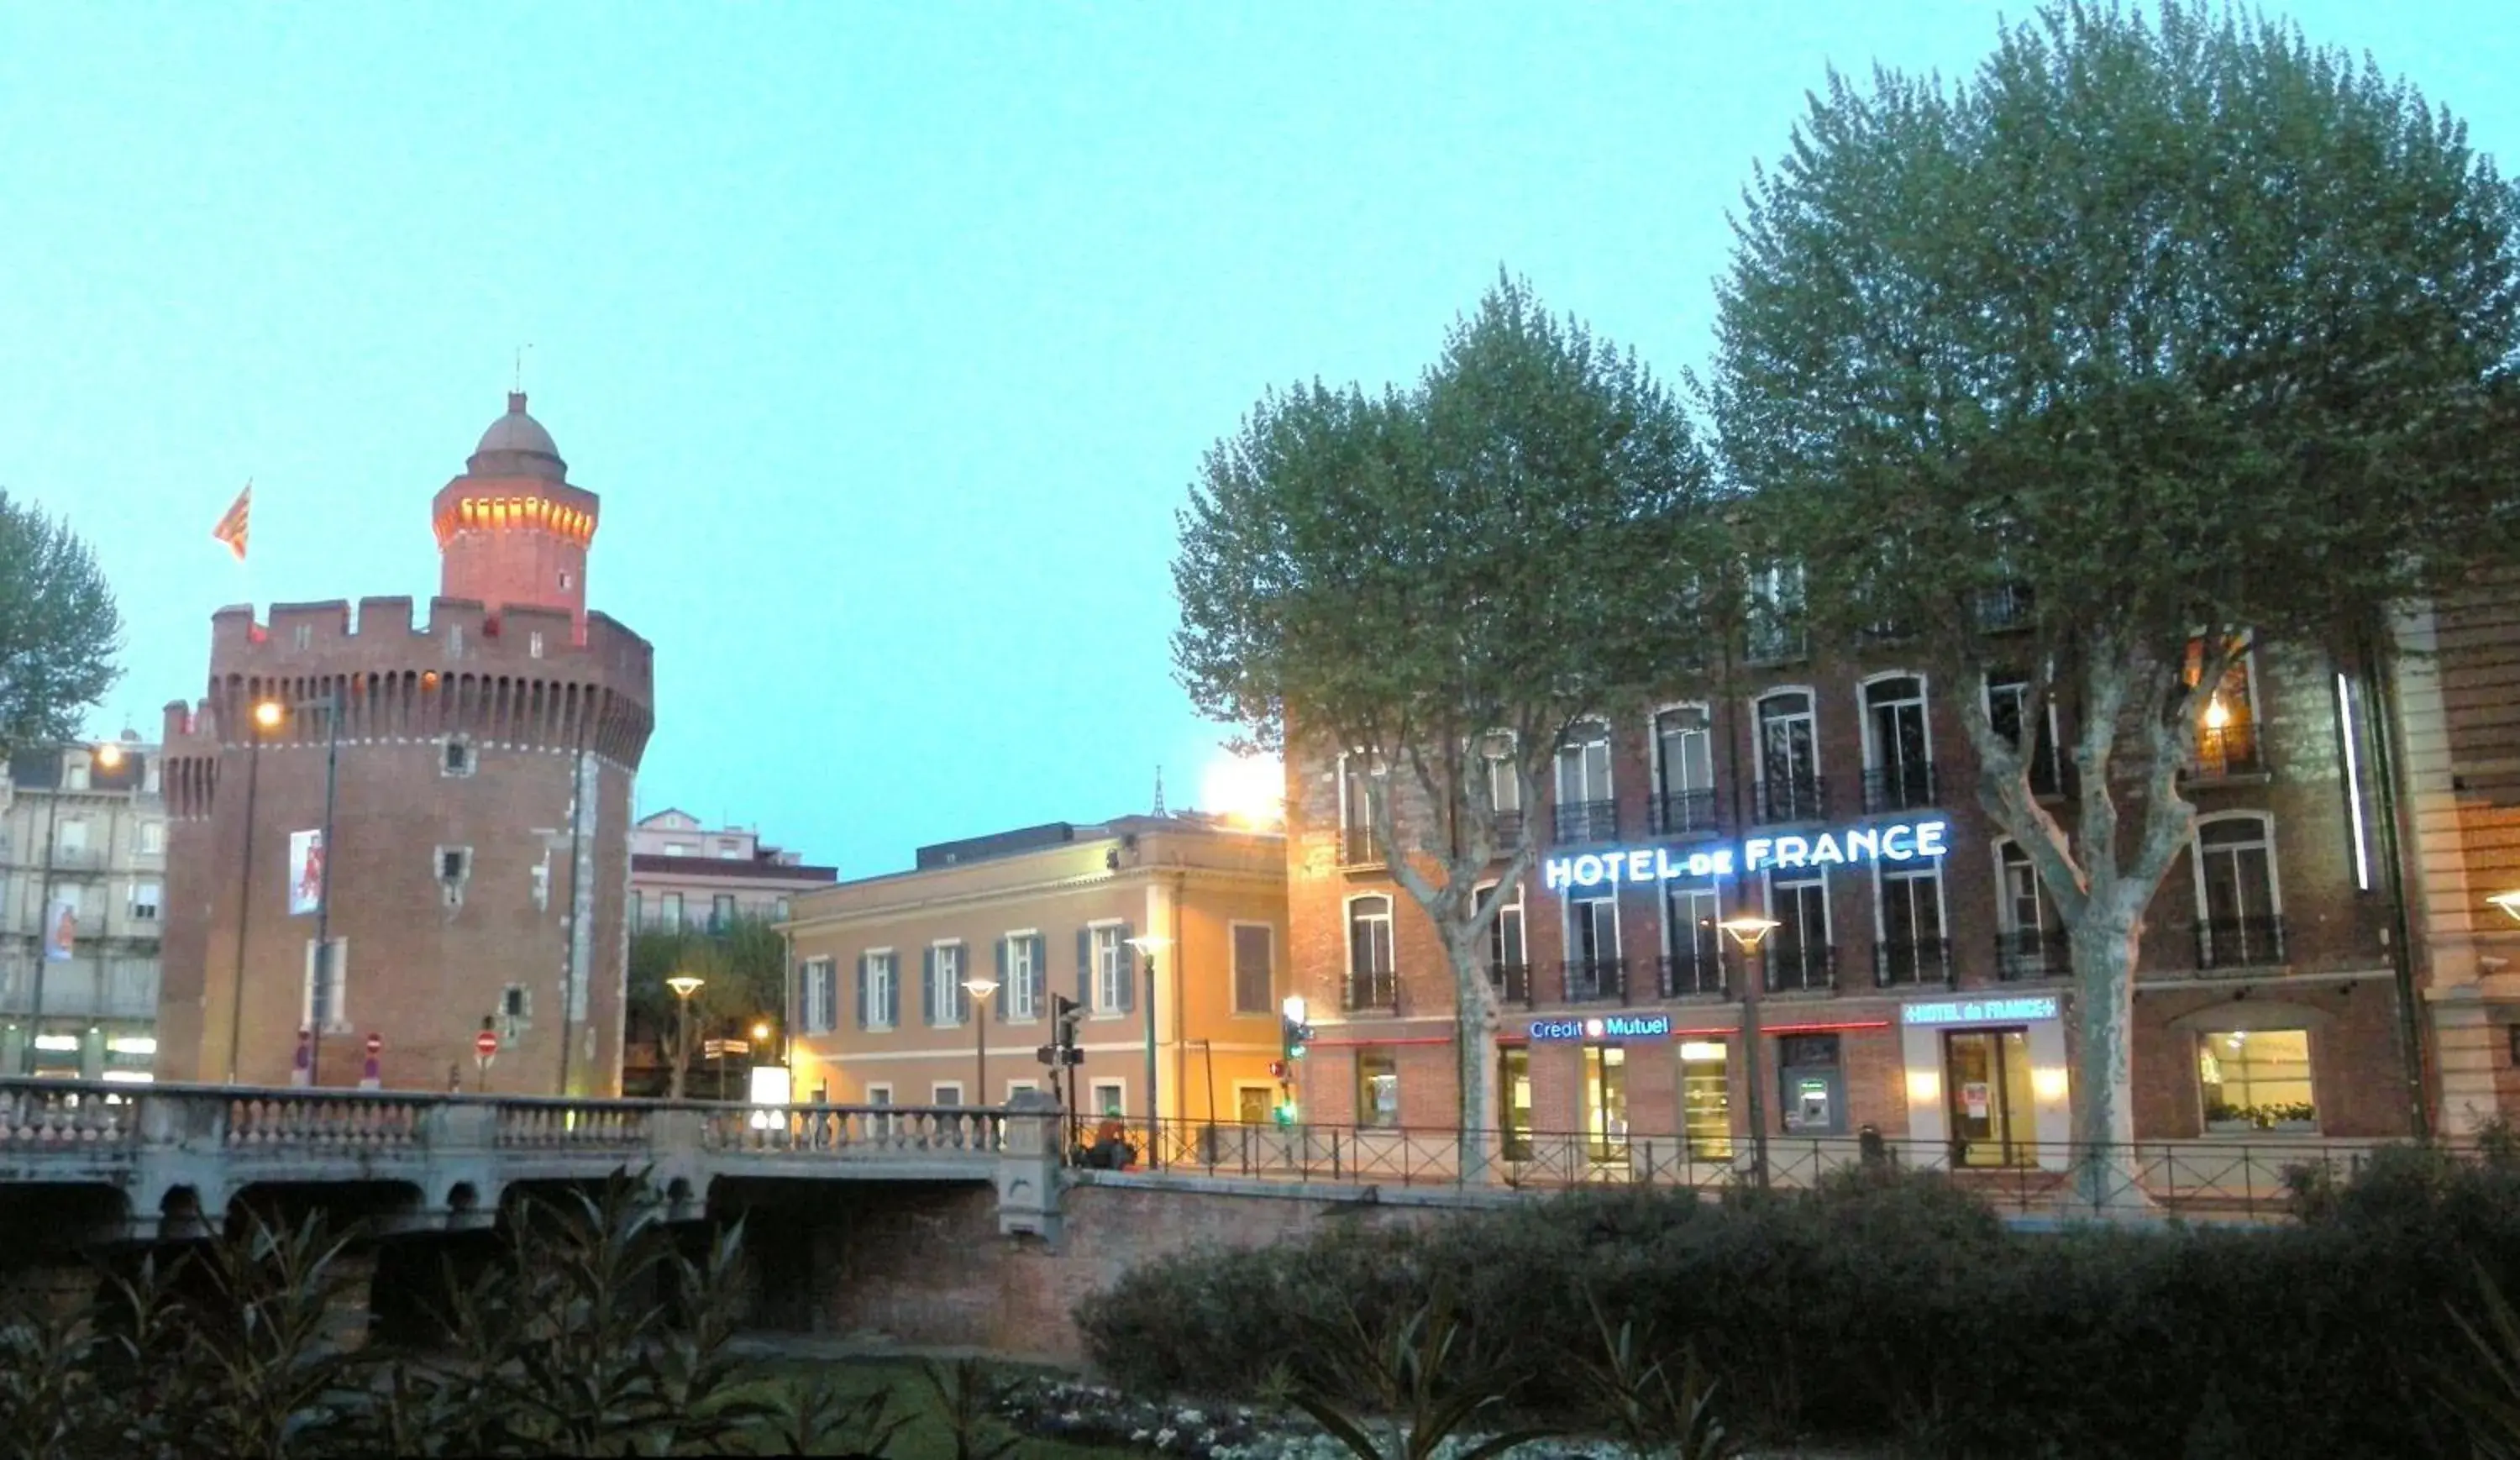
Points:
(306, 872)
(61, 931)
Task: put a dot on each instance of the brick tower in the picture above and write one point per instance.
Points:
(480, 855)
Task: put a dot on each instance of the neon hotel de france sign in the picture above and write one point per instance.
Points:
(1884, 842)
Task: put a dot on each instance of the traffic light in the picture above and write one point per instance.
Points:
(1294, 1036)
(1284, 1113)
(1063, 1014)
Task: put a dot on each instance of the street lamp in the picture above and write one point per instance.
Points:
(2509, 902)
(684, 987)
(1750, 932)
(1147, 946)
(979, 986)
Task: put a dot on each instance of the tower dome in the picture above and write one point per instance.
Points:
(516, 445)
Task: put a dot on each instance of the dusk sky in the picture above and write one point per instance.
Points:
(891, 335)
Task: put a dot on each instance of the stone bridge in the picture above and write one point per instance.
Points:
(167, 1162)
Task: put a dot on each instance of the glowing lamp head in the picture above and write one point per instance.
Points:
(108, 756)
(2216, 713)
(684, 985)
(761, 1028)
(267, 713)
(1249, 791)
(1748, 932)
(2509, 902)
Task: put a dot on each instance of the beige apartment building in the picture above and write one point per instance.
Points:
(685, 875)
(887, 968)
(82, 898)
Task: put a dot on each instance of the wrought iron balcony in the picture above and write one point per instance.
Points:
(1357, 848)
(1512, 983)
(2239, 944)
(1588, 821)
(1776, 643)
(1682, 813)
(1595, 980)
(2022, 953)
(1920, 961)
(1372, 989)
(1801, 798)
(1690, 977)
(1909, 786)
(1509, 828)
(2232, 749)
(1801, 968)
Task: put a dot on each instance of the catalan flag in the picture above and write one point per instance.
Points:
(231, 527)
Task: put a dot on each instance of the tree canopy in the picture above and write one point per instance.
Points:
(58, 627)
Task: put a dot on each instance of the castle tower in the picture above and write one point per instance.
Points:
(478, 864)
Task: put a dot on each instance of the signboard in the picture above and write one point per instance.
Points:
(306, 872)
(61, 931)
(486, 1045)
(301, 1068)
(1602, 1026)
(713, 1049)
(1880, 842)
(770, 1086)
(1980, 1011)
(371, 1078)
(375, 1045)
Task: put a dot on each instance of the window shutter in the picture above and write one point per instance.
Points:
(829, 987)
(928, 986)
(892, 989)
(1085, 968)
(1128, 957)
(862, 990)
(1040, 974)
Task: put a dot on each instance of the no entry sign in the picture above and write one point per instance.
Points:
(486, 1043)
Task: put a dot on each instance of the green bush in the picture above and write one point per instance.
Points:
(1898, 1306)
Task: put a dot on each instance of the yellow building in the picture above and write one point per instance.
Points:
(895, 973)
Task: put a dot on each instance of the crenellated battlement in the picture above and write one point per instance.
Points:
(460, 632)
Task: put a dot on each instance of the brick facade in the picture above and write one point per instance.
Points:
(482, 799)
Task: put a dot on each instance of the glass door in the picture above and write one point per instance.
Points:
(1514, 1088)
(1986, 1082)
(1706, 1100)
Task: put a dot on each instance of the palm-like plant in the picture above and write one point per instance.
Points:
(1636, 1399)
(1406, 1375)
(2486, 1395)
(969, 1401)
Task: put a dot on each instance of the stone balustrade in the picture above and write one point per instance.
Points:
(193, 1149)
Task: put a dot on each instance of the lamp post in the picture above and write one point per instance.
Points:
(1147, 946)
(2509, 902)
(1749, 933)
(979, 986)
(684, 987)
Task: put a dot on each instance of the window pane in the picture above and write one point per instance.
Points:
(1251, 974)
(1378, 1088)
(2256, 1075)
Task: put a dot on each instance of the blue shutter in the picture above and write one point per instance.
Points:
(1006, 995)
(1085, 968)
(1040, 975)
(828, 984)
(862, 990)
(928, 986)
(1127, 968)
(892, 989)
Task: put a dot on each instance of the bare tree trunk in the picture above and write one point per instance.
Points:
(1474, 1046)
(2104, 943)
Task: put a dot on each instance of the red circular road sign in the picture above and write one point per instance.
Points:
(486, 1043)
(375, 1045)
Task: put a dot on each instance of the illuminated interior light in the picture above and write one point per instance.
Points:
(132, 1045)
(2216, 713)
(1924, 1086)
(130, 1077)
(1701, 1050)
(2352, 781)
(2047, 1082)
(57, 1042)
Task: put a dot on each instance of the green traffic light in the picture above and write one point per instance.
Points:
(1287, 1114)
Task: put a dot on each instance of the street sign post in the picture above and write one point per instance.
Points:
(485, 1048)
(370, 1078)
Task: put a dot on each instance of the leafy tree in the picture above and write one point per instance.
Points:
(1435, 585)
(742, 969)
(2193, 332)
(58, 627)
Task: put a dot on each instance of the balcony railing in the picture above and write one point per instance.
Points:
(1371, 991)
(1906, 787)
(1357, 848)
(1776, 643)
(1512, 983)
(2239, 942)
(1595, 980)
(1691, 976)
(2229, 750)
(1588, 821)
(1682, 813)
(1801, 968)
(1897, 965)
(1789, 799)
(2030, 953)
(1509, 827)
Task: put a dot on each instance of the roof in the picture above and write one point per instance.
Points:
(738, 869)
(516, 445)
(686, 817)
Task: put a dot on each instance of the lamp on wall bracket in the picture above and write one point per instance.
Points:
(2508, 901)
(1749, 933)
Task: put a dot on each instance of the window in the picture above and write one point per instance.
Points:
(324, 1004)
(1684, 771)
(1900, 773)
(515, 1002)
(1020, 998)
(638, 909)
(820, 989)
(1378, 1089)
(878, 1094)
(1693, 946)
(2255, 1078)
(721, 912)
(1111, 990)
(878, 991)
(1912, 949)
(729, 849)
(1373, 976)
(946, 1092)
(1254, 979)
(671, 911)
(1586, 811)
(74, 774)
(1606, 1101)
(944, 999)
(144, 901)
(72, 839)
(1799, 956)
(2239, 923)
(457, 760)
(1593, 967)
(2226, 730)
(1509, 952)
(1109, 1098)
(1789, 787)
(1706, 1099)
(2008, 699)
(778, 909)
(1015, 1087)
(1811, 1084)
(680, 849)
(304, 635)
(1775, 632)
(153, 838)
(2027, 931)
(1504, 788)
(1357, 846)
(454, 869)
(534, 644)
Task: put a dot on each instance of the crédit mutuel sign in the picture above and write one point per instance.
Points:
(1882, 841)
